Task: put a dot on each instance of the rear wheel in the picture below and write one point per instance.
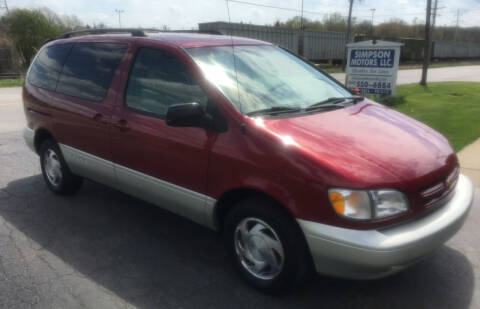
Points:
(266, 246)
(56, 173)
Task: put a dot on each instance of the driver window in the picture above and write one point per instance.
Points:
(157, 80)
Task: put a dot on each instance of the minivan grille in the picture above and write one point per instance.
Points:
(441, 190)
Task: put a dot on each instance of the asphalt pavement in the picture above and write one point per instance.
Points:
(104, 249)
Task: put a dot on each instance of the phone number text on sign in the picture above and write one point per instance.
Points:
(374, 85)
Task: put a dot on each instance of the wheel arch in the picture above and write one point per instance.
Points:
(41, 135)
(230, 198)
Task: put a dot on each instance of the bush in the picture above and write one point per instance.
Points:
(29, 29)
(389, 100)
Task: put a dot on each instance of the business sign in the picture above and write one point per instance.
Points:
(371, 58)
(372, 67)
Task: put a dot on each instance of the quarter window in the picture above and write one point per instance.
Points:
(89, 69)
(157, 80)
(48, 65)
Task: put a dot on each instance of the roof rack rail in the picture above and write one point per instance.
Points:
(132, 31)
(215, 32)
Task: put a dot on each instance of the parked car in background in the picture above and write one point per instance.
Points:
(247, 139)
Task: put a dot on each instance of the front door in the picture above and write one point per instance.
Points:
(156, 162)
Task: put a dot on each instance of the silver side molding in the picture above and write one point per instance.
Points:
(192, 205)
(184, 202)
(89, 166)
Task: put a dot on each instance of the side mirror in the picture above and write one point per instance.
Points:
(186, 115)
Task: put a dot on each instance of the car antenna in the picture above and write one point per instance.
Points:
(234, 58)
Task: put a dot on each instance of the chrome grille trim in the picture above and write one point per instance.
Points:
(440, 191)
(433, 190)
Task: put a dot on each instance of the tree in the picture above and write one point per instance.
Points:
(363, 27)
(295, 22)
(395, 28)
(64, 22)
(28, 30)
(71, 22)
(100, 26)
(335, 22)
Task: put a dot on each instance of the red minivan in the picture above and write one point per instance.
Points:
(247, 139)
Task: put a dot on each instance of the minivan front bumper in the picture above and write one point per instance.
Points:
(369, 254)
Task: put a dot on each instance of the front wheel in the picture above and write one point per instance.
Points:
(56, 173)
(266, 246)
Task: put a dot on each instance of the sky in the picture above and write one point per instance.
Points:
(186, 14)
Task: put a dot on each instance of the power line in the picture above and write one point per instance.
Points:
(274, 7)
(311, 12)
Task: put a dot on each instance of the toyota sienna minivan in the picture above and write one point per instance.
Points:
(245, 138)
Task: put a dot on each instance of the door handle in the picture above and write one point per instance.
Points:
(97, 117)
(122, 124)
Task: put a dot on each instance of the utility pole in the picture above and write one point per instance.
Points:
(458, 22)
(5, 6)
(300, 37)
(119, 20)
(428, 45)
(373, 14)
(301, 18)
(434, 21)
(349, 33)
(435, 9)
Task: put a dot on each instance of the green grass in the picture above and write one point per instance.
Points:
(11, 82)
(332, 70)
(452, 108)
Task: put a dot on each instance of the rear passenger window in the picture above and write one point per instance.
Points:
(89, 69)
(48, 65)
(157, 80)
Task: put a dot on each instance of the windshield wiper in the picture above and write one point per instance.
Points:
(328, 103)
(274, 110)
(333, 102)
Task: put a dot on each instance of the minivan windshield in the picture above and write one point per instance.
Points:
(269, 78)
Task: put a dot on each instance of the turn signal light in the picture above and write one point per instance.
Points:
(338, 202)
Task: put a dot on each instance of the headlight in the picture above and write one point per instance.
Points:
(388, 203)
(367, 205)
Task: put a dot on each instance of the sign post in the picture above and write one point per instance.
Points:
(372, 67)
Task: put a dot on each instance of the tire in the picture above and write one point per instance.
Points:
(58, 177)
(266, 246)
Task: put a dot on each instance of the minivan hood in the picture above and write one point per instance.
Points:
(368, 143)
